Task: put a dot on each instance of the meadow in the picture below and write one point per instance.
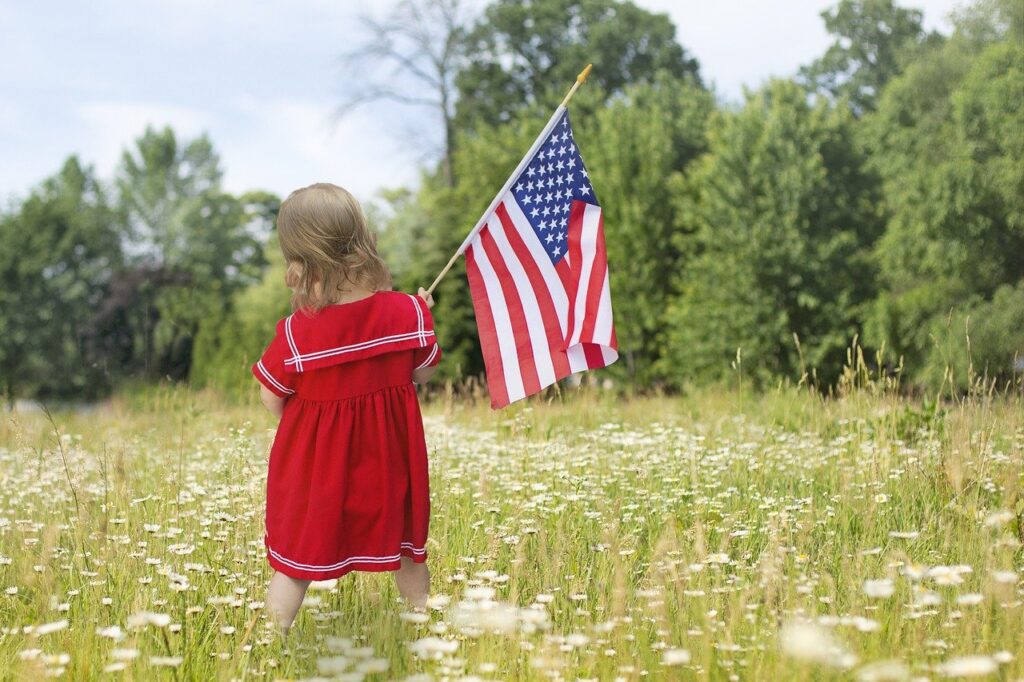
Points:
(721, 535)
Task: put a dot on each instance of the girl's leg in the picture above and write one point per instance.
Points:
(413, 581)
(284, 597)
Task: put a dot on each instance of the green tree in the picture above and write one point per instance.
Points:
(873, 39)
(54, 276)
(946, 140)
(190, 245)
(525, 54)
(784, 217)
(635, 149)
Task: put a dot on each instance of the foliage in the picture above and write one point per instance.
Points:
(874, 39)
(784, 217)
(946, 142)
(55, 271)
(524, 54)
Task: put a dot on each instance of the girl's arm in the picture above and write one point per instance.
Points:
(423, 374)
(274, 403)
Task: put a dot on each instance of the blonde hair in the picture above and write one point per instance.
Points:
(326, 242)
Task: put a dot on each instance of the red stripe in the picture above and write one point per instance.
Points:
(593, 354)
(520, 331)
(488, 334)
(598, 271)
(552, 329)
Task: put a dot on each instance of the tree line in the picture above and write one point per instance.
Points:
(876, 195)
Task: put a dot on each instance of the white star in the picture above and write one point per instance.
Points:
(560, 165)
(585, 190)
(536, 198)
(559, 179)
(584, 172)
(565, 221)
(527, 199)
(551, 167)
(572, 148)
(530, 171)
(557, 251)
(561, 236)
(551, 182)
(542, 169)
(558, 194)
(543, 155)
(572, 162)
(546, 211)
(565, 208)
(547, 199)
(549, 238)
(534, 213)
(519, 186)
(543, 225)
(529, 186)
(565, 121)
(561, 150)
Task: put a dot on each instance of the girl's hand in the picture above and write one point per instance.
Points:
(422, 293)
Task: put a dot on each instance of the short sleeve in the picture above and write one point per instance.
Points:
(427, 357)
(269, 369)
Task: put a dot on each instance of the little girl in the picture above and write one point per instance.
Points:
(347, 488)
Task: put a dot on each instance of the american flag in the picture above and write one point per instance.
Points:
(538, 272)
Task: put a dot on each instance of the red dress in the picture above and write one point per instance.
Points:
(347, 487)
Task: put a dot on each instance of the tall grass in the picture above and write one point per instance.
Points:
(719, 535)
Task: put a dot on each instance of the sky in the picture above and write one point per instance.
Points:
(263, 79)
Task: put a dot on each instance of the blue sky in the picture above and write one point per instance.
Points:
(263, 78)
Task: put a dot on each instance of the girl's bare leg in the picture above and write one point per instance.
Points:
(413, 581)
(284, 597)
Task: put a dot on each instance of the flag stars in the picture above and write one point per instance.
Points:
(548, 197)
(585, 190)
(530, 171)
(534, 213)
(561, 236)
(546, 212)
(550, 238)
(560, 165)
(583, 171)
(558, 251)
(527, 199)
(572, 162)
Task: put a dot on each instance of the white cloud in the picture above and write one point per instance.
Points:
(284, 144)
(112, 126)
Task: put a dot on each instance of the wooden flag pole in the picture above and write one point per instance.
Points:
(580, 79)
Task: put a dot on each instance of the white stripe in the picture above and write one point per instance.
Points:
(528, 298)
(577, 358)
(540, 256)
(419, 320)
(430, 358)
(394, 338)
(291, 343)
(610, 355)
(270, 377)
(588, 248)
(502, 324)
(346, 562)
(603, 318)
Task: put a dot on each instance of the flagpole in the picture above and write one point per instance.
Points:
(580, 79)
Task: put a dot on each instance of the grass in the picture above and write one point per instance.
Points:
(721, 536)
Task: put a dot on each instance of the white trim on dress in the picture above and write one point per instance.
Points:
(270, 377)
(352, 348)
(296, 358)
(351, 560)
(430, 358)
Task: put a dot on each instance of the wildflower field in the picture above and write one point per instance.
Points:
(719, 536)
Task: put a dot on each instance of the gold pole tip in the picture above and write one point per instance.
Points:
(584, 73)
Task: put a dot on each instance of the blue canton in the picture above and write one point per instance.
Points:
(548, 185)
